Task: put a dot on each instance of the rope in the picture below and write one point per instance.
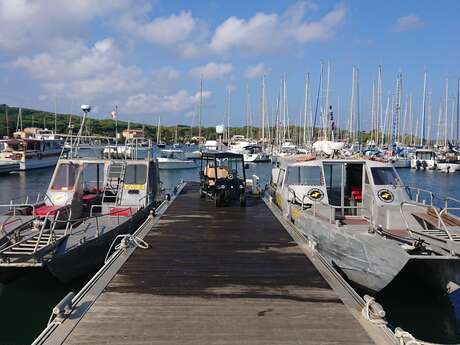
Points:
(126, 242)
(366, 312)
(405, 338)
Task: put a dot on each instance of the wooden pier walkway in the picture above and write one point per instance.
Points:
(226, 275)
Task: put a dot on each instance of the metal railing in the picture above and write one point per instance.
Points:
(332, 208)
(418, 193)
(440, 221)
(446, 208)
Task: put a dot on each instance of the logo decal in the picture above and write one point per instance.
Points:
(385, 195)
(315, 194)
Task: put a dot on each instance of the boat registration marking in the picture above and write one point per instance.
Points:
(134, 187)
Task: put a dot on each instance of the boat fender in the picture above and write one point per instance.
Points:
(168, 196)
(373, 311)
(405, 337)
(62, 309)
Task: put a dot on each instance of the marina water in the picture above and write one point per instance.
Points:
(26, 303)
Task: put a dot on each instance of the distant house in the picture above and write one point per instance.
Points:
(133, 134)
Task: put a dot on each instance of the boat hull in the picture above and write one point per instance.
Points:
(36, 163)
(90, 256)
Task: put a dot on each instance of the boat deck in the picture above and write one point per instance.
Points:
(226, 275)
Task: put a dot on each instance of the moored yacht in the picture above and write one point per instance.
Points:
(362, 219)
(175, 159)
(31, 153)
(424, 159)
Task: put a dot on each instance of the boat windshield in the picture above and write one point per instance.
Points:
(384, 176)
(135, 174)
(304, 175)
(65, 177)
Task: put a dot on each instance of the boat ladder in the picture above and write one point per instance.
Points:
(114, 180)
(434, 229)
(35, 245)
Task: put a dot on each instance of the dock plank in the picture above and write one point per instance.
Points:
(225, 275)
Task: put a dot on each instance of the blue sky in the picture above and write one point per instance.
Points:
(147, 56)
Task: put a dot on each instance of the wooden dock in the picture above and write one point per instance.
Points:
(226, 275)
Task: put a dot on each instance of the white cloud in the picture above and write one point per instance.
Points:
(257, 71)
(268, 32)
(180, 102)
(409, 22)
(162, 30)
(212, 71)
(28, 25)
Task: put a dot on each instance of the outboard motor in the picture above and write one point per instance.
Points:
(424, 165)
(418, 164)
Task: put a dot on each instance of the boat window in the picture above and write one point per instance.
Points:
(333, 177)
(135, 174)
(304, 175)
(93, 177)
(65, 177)
(384, 176)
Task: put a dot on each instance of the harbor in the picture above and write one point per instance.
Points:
(229, 173)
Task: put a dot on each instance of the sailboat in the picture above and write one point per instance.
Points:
(160, 144)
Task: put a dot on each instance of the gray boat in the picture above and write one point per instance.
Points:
(360, 217)
(89, 202)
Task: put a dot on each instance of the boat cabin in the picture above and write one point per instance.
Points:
(425, 154)
(341, 190)
(95, 186)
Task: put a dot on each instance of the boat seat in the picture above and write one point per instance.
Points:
(211, 173)
(45, 210)
(88, 198)
(357, 194)
(122, 211)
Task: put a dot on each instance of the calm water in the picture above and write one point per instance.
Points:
(26, 303)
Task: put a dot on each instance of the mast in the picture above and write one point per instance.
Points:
(379, 113)
(458, 107)
(326, 103)
(262, 107)
(305, 108)
(320, 85)
(352, 107)
(55, 111)
(19, 122)
(200, 114)
(446, 112)
(158, 131)
(422, 137)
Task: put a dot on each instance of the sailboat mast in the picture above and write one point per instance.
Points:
(446, 112)
(458, 109)
(201, 108)
(422, 137)
(262, 105)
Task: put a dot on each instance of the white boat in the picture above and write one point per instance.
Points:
(424, 159)
(31, 153)
(193, 154)
(174, 159)
(448, 162)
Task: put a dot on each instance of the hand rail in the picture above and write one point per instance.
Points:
(418, 192)
(438, 215)
(446, 205)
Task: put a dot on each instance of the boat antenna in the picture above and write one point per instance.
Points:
(86, 109)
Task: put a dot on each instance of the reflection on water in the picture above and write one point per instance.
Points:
(26, 303)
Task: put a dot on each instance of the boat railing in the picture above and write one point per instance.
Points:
(440, 222)
(449, 200)
(418, 193)
(15, 207)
